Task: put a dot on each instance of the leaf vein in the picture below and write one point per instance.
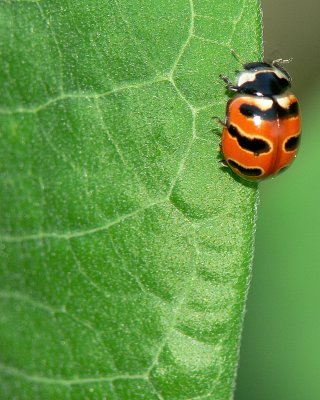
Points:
(68, 382)
(75, 234)
(83, 95)
(188, 40)
(27, 299)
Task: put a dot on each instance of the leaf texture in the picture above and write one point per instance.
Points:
(125, 248)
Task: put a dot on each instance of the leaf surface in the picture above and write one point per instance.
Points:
(125, 248)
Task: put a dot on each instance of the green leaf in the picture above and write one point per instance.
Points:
(125, 249)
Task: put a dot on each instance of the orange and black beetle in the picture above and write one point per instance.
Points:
(262, 128)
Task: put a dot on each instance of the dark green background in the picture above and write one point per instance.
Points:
(280, 354)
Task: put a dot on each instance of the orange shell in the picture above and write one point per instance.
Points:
(274, 132)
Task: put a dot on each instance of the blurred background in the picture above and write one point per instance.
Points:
(280, 352)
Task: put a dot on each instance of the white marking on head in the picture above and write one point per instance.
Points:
(280, 74)
(246, 76)
(250, 76)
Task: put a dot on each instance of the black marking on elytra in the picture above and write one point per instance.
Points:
(253, 172)
(272, 113)
(254, 145)
(292, 143)
(266, 83)
(251, 111)
(292, 111)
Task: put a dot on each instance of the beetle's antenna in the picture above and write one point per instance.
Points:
(282, 61)
(237, 57)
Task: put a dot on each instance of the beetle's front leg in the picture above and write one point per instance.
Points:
(230, 85)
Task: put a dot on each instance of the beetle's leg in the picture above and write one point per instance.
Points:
(223, 163)
(219, 120)
(230, 85)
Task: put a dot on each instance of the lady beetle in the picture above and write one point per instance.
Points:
(262, 128)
